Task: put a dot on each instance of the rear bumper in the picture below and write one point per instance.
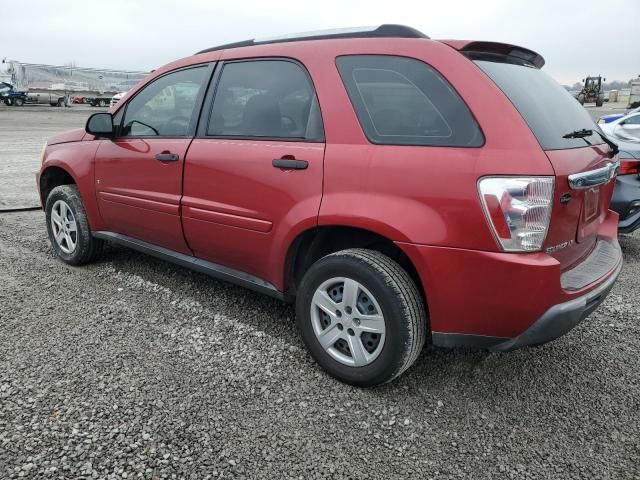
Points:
(504, 301)
(555, 322)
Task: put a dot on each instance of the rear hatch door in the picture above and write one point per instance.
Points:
(572, 142)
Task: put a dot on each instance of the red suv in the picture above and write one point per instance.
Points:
(398, 189)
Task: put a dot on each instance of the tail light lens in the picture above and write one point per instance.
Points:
(629, 167)
(518, 210)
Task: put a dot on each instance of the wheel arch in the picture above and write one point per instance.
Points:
(52, 177)
(315, 243)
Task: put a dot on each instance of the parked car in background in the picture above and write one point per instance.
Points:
(116, 98)
(368, 178)
(626, 195)
(98, 101)
(626, 128)
(10, 96)
(44, 98)
(615, 116)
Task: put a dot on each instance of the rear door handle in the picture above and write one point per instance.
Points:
(290, 164)
(167, 157)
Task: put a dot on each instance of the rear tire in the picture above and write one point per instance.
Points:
(8, 102)
(101, 103)
(68, 227)
(342, 342)
(18, 102)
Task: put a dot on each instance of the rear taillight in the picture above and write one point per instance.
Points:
(518, 210)
(629, 167)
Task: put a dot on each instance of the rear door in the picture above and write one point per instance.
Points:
(570, 139)
(254, 173)
(139, 173)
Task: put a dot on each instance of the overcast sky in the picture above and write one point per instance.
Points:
(575, 37)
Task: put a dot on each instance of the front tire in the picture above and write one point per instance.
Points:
(18, 102)
(361, 317)
(68, 227)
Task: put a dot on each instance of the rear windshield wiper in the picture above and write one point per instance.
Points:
(613, 145)
(579, 134)
(587, 133)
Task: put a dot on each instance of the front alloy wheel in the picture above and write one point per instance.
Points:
(64, 226)
(68, 227)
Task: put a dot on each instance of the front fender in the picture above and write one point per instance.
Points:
(77, 160)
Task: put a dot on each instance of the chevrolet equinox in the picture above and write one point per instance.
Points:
(398, 189)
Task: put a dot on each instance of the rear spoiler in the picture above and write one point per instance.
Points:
(513, 52)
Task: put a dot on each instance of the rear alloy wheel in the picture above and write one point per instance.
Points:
(68, 227)
(348, 322)
(361, 316)
(18, 102)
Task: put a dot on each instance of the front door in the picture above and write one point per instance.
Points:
(254, 173)
(139, 173)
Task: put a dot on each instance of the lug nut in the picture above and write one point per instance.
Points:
(351, 332)
(340, 327)
(348, 310)
(338, 313)
(356, 322)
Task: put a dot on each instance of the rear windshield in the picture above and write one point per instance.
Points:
(549, 110)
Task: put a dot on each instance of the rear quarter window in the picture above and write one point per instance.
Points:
(403, 101)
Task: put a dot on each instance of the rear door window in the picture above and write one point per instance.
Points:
(265, 99)
(549, 110)
(403, 101)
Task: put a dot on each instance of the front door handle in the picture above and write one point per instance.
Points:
(167, 157)
(289, 164)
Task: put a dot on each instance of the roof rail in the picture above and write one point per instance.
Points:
(381, 31)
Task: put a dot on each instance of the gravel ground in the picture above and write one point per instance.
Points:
(133, 368)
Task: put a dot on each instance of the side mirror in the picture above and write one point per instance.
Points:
(100, 124)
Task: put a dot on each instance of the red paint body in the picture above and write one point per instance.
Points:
(224, 202)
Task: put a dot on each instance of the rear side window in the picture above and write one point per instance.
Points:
(403, 101)
(549, 110)
(265, 99)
